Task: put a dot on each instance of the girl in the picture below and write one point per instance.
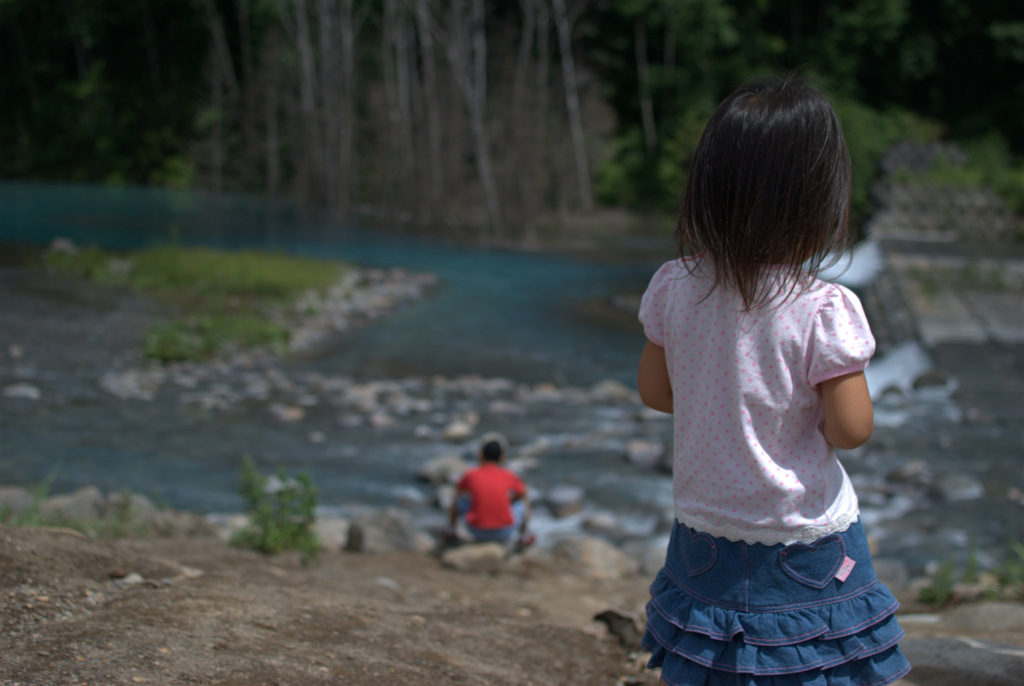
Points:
(768, 578)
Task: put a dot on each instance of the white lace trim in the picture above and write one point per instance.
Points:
(806, 534)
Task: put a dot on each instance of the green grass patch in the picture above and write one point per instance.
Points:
(223, 298)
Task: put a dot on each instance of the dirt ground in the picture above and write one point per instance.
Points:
(74, 610)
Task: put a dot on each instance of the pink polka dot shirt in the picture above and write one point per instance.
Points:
(750, 461)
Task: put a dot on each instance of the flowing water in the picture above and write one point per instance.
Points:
(527, 318)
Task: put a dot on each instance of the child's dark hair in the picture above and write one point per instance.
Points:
(769, 186)
(492, 451)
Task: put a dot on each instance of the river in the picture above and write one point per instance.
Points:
(522, 317)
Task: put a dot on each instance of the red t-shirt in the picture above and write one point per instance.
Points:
(491, 487)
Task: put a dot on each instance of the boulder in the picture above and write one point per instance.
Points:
(461, 428)
(332, 532)
(133, 384)
(131, 507)
(14, 500)
(645, 453)
(612, 390)
(85, 504)
(445, 469)
(986, 616)
(962, 662)
(480, 558)
(596, 558)
(23, 390)
(563, 501)
(384, 531)
(960, 486)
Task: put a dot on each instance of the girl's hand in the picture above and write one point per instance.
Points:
(652, 379)
(849, 414)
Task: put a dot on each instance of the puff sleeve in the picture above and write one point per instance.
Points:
(841, 342)
(654, 305)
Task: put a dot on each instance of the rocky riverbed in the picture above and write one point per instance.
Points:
(580, 448)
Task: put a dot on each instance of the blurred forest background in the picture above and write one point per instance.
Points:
(494, 116)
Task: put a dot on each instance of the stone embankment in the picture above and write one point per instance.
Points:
(953, 259)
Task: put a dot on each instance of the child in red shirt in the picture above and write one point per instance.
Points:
(492, 498)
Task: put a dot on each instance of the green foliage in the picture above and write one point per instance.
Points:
(225, 296)
(91, 263)
(989, 164)
(218, 273)
(1011, 571)
(200, 338)
(282, 514)
(870, 133)
(940, 592)
(32, 516)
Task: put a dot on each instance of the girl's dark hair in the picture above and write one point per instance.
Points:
(769, 186)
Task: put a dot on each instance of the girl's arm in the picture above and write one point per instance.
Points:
(849, 414)
(652, 379)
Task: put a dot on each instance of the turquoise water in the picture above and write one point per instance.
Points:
(496, 313)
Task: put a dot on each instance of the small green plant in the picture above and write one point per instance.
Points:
(31, 516)
(1011, 571)
(281, 513)
(940, 592)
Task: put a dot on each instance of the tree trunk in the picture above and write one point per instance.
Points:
(467, 52)
(349, 28)
(250, 112)
(327, 113)
(643, 73)
(572, 101)
(431, 106)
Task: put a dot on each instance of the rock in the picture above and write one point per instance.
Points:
(383, 531)
(380, 419)
(649, 554)
(914, 472)
(287, 413)
(480, 558)
(563, 501)
(644, 453)
(461, 428)
(85, 504)
(133, 384)
(597, 558)
(960, 486)
(131, 507)
(963, 662)
(623, 627)
(986, 585)
(444, 495)
(445, 469)
(63, 246)
(986, 616)
(132, 579)
(610, 389)
(332, 532)
(225, 525)
(14, 500)
(602, 523)
(22, 390)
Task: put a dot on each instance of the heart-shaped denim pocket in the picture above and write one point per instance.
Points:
(814, 564)
(699, 551)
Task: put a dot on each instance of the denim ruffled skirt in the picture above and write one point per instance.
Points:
(738, 614)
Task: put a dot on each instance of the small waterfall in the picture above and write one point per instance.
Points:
(901, 376)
